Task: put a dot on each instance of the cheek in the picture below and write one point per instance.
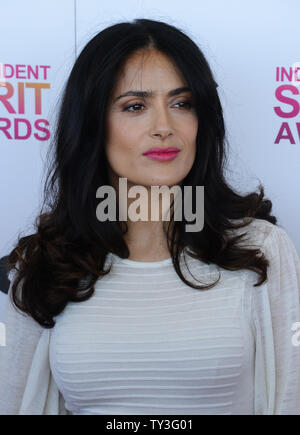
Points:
(190, 134)
(194, 128)
(189, 127)
(121, 147)
(123, 134)
(118, 140)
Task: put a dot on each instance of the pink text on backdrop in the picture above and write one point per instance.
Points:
(291, 99)
(13, 98)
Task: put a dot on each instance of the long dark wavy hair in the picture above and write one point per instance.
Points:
(66, 255)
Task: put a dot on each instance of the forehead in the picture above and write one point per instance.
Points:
(148, 70)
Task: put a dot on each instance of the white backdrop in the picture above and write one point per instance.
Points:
(32, 34)
(246, 44)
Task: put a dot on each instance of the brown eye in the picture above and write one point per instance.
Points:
(126, 109)
(135, 107)
(187, 104)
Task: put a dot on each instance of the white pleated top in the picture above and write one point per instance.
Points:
(147, 343)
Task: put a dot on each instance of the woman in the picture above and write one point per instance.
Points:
(144, 317)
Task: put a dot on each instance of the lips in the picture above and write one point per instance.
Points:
(162, 154)
(159, 151)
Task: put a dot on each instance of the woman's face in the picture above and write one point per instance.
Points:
(136, 124)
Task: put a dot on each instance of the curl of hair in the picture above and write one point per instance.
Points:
(66, 255)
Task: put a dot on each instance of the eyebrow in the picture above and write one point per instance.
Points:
(145, 94)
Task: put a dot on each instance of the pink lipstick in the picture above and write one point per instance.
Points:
(162, 154)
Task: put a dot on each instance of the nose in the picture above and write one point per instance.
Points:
(161, 125)
(162, 133)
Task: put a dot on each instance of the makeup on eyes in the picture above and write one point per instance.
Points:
(187, 105)
(150, 94)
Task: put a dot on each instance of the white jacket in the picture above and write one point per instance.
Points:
(26, 381)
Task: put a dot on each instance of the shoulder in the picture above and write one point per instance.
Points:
(257, 231)
(284, 263)
(272, 240)
(17, 321)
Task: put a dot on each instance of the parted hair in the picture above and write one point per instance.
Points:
(65, 256)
